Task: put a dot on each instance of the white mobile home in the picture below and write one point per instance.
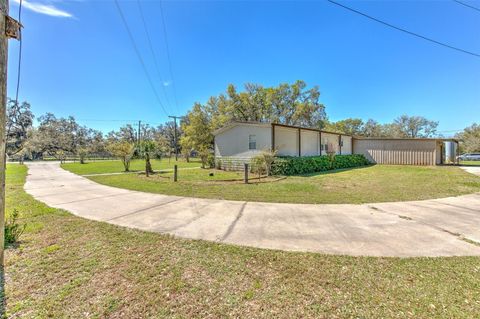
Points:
(238, 142)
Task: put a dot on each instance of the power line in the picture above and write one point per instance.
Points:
(406, 31)
(145, 70)
(151, 50)
(467, 5)
(19, 52)
(165, 37)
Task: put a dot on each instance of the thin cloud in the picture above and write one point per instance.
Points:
(166, 83)
(46, 9)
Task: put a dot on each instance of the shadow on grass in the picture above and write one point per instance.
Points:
(470, 164)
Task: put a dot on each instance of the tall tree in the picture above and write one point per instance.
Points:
(167, 130)
(19, 123)
(348, 126)
(198, 133)
(125, 133)
(470, 139)
(372, 128)
(291, 104)
(415, 126)
(61, 136)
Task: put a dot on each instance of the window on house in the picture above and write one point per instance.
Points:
(252, 142)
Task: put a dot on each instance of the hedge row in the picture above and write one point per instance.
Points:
(310, 164)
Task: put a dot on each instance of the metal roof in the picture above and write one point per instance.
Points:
(269, 124)
(407, 138)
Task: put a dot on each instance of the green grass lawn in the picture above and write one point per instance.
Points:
(379, 183)
(470, 163)
(70, 267)
(117, 166)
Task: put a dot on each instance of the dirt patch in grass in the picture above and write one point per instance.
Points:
(69, 267)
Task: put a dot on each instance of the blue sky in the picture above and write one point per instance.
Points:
(78, 59)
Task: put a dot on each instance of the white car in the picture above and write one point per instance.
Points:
(470, 157)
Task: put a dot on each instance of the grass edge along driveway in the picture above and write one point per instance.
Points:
(66, 266)
(376, 183)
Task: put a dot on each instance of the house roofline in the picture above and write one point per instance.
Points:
(232, 124)
(271, 124)
(310, 129)
(407, 138)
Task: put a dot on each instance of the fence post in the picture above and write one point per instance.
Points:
(245, 177)
(175, 173)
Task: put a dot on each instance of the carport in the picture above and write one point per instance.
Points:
(407, 151)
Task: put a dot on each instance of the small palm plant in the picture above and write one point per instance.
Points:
(13, 230)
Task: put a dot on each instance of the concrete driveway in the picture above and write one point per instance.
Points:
(472, 169)
(440, 227)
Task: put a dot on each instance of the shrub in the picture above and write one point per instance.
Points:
(258, 164)
(262, 162)
(311, 164)
(123, 150)
(13, 230)
(210, 161)
(219, 164)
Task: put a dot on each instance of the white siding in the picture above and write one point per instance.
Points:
(309, 143)
(286, 141)
(234, 141)
(347, 145)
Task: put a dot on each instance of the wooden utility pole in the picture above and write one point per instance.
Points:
(175, 134)
(9, 28)
(138, 133)
(3, 118)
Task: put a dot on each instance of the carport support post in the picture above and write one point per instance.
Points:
(175, 172)
(299, 142)
(245, 173)
(457, 153)
(273, 137)
(340, 143)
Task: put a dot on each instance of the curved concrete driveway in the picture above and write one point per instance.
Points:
(441, 227)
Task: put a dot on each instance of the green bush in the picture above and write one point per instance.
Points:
(210, 161)
(13, 230)
(257, 164)
(310, 164)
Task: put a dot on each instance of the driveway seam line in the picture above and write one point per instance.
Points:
(143, 209)
(234, 223)
(457, 235)
(86, 200)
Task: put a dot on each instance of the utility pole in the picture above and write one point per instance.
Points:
(175, 134)
(138, 133)
(9, 28)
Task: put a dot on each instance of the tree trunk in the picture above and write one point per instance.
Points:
(148, 165)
